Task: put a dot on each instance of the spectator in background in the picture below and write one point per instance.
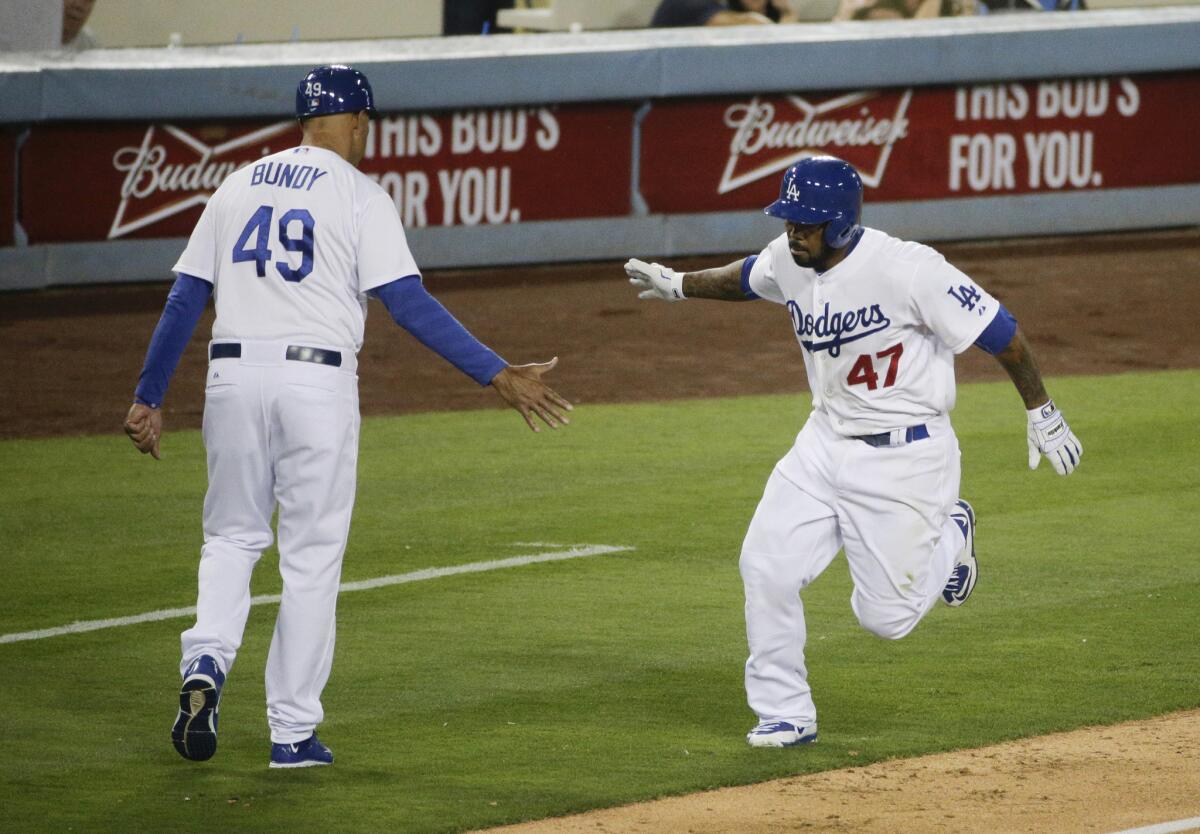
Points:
(1004, 6)
(899, 9)
(721, 12)
(902, 9)
(471, 17)
(75, 35)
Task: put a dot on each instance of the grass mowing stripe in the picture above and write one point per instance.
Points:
(574, 552)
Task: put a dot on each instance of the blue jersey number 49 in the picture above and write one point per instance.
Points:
(259, 227)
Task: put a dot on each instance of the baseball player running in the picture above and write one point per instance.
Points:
(292, 245)
(875, 469)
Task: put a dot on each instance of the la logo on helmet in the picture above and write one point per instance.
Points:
(793, 193)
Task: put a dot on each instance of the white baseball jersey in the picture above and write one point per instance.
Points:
(879, 330)
(291, 243)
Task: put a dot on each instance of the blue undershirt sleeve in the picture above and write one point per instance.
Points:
(748, 265)
(997, 335)
(185, 303)
(418, 312)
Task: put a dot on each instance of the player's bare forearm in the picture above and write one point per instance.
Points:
(1018, 360)
(723, 283)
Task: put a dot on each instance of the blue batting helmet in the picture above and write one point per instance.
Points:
(333, 89)
(821, 189)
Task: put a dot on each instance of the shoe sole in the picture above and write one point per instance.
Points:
(974, 574)
(309, 763)
(802, 740)
(194, 734)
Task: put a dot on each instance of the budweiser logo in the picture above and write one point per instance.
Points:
(173, 170)
(859, 127)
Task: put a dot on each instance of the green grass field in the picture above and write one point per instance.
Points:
(478, 699)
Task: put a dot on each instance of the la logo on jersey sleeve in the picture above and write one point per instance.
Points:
(969, 296)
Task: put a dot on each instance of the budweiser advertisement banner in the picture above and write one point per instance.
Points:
(85, 182)
(914, 144)
(97, 182)
(8, 185)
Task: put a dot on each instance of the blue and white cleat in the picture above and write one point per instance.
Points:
(195, 732)
(966, 569)
(307, 753)
(781, 734)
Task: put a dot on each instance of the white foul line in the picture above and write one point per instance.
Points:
(575, 552)
(1165, 827)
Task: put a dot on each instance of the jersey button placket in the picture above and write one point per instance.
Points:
(822, 363)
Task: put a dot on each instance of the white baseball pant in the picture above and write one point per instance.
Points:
(279, 433)
(887, 506)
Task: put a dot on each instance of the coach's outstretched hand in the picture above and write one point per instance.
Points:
(521, 387)
(143, 424)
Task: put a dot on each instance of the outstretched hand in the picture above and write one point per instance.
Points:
(521, 387)
(143, 424)
(655, 280)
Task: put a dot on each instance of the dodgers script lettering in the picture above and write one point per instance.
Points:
(836, 329)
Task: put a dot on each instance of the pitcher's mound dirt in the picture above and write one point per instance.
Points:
(1100, 779)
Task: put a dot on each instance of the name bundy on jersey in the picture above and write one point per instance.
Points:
(283, 175)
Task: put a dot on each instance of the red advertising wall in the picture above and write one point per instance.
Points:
(506, 166)
(912, 144)
(90, 182)
(8, 185)
(96, 182)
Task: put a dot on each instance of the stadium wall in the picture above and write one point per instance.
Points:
(537, 148)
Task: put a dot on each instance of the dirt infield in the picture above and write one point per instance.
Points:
(1100, 779)
(69, 360)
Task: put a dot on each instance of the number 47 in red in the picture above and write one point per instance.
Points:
(863, 371)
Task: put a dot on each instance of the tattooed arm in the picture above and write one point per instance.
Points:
(1047, 433)
(1018, 360)
(724, 283)
(655, 281)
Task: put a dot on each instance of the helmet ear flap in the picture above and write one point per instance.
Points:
(839, 232)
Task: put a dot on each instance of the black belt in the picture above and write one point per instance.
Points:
(297, 353)
(885, 438)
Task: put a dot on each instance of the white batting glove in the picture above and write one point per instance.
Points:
(655, 280)
(1050, 435)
